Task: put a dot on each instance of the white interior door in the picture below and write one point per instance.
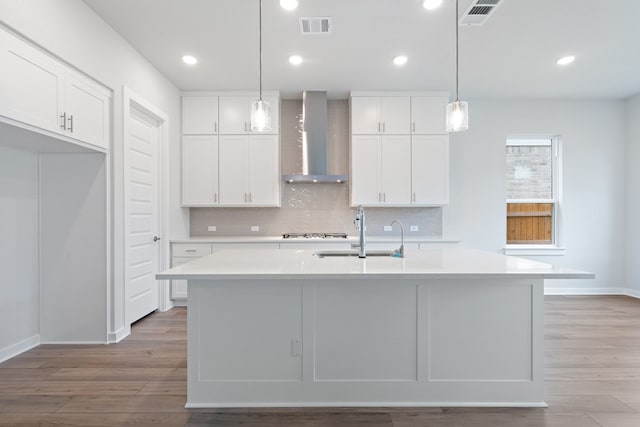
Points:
(142, 247)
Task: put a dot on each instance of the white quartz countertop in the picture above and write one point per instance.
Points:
(433, 263)
(395, 238)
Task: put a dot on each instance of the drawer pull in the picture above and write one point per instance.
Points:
(190, 250)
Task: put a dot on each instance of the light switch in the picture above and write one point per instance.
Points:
(255, 228)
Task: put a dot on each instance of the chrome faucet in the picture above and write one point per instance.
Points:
(399, 252)
(359, 223)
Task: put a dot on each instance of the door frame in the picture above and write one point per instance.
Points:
(132, 100)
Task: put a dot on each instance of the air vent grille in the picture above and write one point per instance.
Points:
(479, 12)
(315, 25)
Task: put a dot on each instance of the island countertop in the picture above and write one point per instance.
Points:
(432, 263)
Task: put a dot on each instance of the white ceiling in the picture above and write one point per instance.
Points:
(513, 55)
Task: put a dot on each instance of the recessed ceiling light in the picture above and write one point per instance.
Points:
(295, 59)
(431, 4)
(289, 4)
(400, 60)
(566, 60)
(190, 60)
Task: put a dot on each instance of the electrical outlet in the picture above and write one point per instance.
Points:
(413, 228)
(388, 228)
(255, 228)
(211, 228)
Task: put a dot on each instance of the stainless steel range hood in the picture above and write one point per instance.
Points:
(314, 142)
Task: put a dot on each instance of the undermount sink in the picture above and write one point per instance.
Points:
(323, 254)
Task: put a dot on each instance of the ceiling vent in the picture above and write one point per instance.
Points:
(315, 25)
(479, 12)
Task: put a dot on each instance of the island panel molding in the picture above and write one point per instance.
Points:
(437, 328)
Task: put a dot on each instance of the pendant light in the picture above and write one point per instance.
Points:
(260, 110)
(457, 111)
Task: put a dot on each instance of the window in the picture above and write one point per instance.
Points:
(533, 195)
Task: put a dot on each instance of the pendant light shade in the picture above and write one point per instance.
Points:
(260, 116)
(457, 116)
(260, 110)
(457, 111)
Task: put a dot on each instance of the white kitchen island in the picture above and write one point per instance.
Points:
(442, 327)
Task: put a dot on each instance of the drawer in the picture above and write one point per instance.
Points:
(193, 250)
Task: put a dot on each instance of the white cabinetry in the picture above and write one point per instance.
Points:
(199, 170)
(380, 171)
(223, 162)
(428, 115)
(182, 253)
(380, 115)
(40, 91)
(235, 114)
(430, 169)
(199, 115)
(249, 170)
(399, 150)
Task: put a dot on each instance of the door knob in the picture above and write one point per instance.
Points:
(156, 238)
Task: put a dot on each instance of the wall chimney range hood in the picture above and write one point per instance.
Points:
(314, 142)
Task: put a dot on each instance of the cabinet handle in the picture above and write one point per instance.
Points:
(64, 121)
(190, 250)
(246, 128)
(378, 127)
(215, 127)
(384, 125)
(245, 197)
(250, 198)
(215, 197)
(414, 196)
(379, 197)
(70, 123)
(414, 127)
(384, 197)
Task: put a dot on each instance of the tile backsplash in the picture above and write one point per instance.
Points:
(311, 207)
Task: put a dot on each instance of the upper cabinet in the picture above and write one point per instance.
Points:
(399, 149)
(199, 115)
(428, 115)
(372, 115)
(235, 114)
(38, 90)
(223, 162)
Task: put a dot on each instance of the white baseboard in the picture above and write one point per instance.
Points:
(200, 405)
(20, 347)
(179, 302)
(592, 291)
(632, 293)
(119, 335)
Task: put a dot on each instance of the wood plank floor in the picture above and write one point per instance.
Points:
(592, 360)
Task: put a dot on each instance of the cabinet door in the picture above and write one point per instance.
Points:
(264, 170)
(87, 108)
(365, 115)
(234, 115)
(179, 287)
(31, 84)
(396, 170)
(430, 169)
(199, 170)
(365, 170)
(395, 114)
(199, 115)
(234, 153)
(428, 115)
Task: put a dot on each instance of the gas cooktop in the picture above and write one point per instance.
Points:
(314, 236)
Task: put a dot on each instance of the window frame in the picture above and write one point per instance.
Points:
(555, 248)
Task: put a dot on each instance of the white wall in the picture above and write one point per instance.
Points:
(73, 257)
(593, 138)
(72, 31)
(633, 194)
(18, 250)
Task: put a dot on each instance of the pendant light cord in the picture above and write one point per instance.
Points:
(457, 85)
(260, 42)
